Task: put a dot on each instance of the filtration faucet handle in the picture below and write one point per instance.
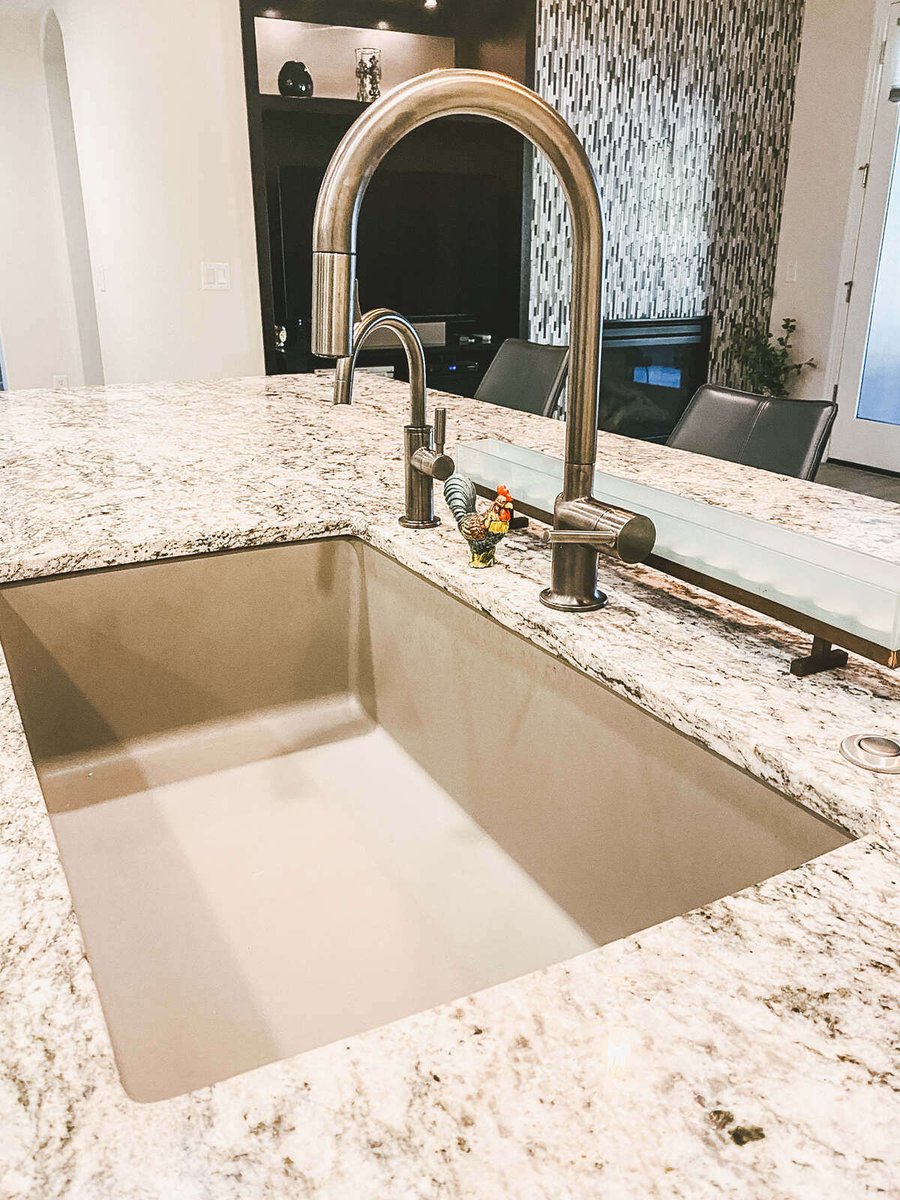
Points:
(431, 460)
(440, 429)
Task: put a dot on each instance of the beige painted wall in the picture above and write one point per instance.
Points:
(823, 180)
(160, 119)
(38, 332)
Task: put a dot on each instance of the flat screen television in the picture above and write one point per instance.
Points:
(431, 243)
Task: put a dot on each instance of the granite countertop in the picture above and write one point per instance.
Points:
(748, 1049)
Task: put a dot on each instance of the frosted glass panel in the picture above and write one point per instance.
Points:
(846, 589)
(879, 398)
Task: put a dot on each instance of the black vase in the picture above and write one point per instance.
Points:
(295, 80)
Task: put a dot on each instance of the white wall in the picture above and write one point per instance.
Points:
(160, 118)
(38, 330)
(823, 181)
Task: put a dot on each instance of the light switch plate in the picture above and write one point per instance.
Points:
(215, 276)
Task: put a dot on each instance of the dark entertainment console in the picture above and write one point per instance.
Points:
(458, 351)
(649, 370)
(440, 235)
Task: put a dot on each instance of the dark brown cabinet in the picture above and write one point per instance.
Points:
(443, 230)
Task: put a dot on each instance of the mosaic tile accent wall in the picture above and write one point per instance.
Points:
(685, 108)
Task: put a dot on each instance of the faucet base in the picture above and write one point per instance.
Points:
(573, 579)
(563, 603)
(408, 524)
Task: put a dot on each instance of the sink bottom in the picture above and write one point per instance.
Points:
(315, 894)
(299, 792)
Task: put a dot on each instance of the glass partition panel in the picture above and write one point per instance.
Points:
(847, 589)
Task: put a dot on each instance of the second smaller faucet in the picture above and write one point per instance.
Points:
(424, 457)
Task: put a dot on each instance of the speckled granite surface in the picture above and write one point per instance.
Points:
(748, 1049)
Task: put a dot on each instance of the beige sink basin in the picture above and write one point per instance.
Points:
(299, 792)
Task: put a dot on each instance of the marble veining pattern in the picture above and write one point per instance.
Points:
(748, 1049)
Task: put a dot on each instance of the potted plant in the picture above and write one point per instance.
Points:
(765, 361)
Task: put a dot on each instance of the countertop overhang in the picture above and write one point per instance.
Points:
(749, 1048)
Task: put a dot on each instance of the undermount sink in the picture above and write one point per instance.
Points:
(299, 792)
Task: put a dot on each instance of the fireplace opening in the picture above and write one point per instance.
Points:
(649, 372)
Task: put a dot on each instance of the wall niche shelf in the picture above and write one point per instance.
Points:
(314, 106)
(330, 106)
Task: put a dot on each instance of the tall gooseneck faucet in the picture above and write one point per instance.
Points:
(482, 93)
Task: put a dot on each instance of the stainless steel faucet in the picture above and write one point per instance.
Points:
(424, 447)
(482, 93)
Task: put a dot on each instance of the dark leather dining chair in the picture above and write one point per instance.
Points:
(787, 436)
(526, 376)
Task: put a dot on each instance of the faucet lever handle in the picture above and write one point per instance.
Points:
(594, 538)
(440, 429)
(432, 461)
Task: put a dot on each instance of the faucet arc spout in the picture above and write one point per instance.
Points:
(386, 122)
(386, 318)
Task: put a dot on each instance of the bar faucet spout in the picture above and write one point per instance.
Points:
(423, 446)
(365, 326)
(482, 93)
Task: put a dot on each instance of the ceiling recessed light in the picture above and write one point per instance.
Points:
(382, 25)
(431, 3)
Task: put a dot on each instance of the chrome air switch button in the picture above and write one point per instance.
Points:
(872, 751)
(880, 745)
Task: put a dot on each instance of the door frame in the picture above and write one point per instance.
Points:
(853, 229)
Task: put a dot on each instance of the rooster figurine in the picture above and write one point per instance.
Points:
(483, 531)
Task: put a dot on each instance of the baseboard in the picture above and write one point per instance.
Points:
(843, 462)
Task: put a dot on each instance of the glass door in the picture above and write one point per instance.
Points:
(867, 430)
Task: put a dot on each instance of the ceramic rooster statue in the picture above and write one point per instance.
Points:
(482, 530)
